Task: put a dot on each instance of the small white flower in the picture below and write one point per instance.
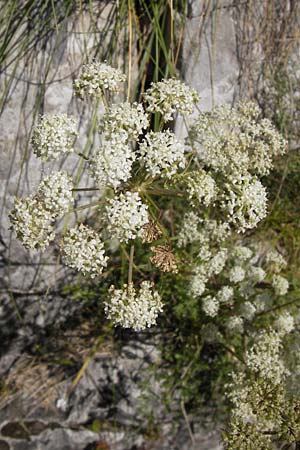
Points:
(126, 215)
(210, 306)
(275, 261)
(111, 164)
(225, 295)
(189, 229)
(97, 77)
(133, 309)
(127, 117)
(245, 202)
(83, 250)
(247, 310)
(236, 274)
(217, 262)
(284, 323)
(198, 282)
(55, 192)
(32, 223)
(54, 136)
(242, 253)
(256, 274)
(162, 154)
(201, 188)
(235, 324)
(263, 358)
(170, 96)
(280, 285)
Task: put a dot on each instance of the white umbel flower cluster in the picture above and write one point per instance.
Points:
(111, 164)
(125, 116)
(280, 285)
(245, 202)
(285, 323)
(225, 295)
(236, 274)
(133, 309)
(126, 216)
(264, 358)
(189, 229)
(235, 324)
(242, 253)
(235, 140)
(32, 223)
(162, 154)
(55, 192)
(32, 217)
(275, 261)
(97, 77)
(210, 306)
(54, 136)
(83, 250)
(201, 188)
(170, 96)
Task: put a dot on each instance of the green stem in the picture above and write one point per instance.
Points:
(130, 264)
(167, 192)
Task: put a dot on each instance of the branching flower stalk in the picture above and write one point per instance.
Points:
(181, 202)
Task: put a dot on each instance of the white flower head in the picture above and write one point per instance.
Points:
(189, 229)
(127, 117)
(170, 96)
(32, 223)
(54, 136)
(210, 306)
(134, 309)
(217, 262)
(245, 202)
(280, 285)
(256, 274)
(247, 310)
(235, 324)
(55, 192)
(162, 154)
(284, 323)
(126, 216)
(111, 164)
(225, 295)
(236, 274)
(201, 188)
(242, 253)
(236, 140)
(263, 358)
(95, 78)
(275, 261)
(83, 250)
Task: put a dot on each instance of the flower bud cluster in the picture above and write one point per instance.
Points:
(83, 250)
(134, 309)
(54, 136)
